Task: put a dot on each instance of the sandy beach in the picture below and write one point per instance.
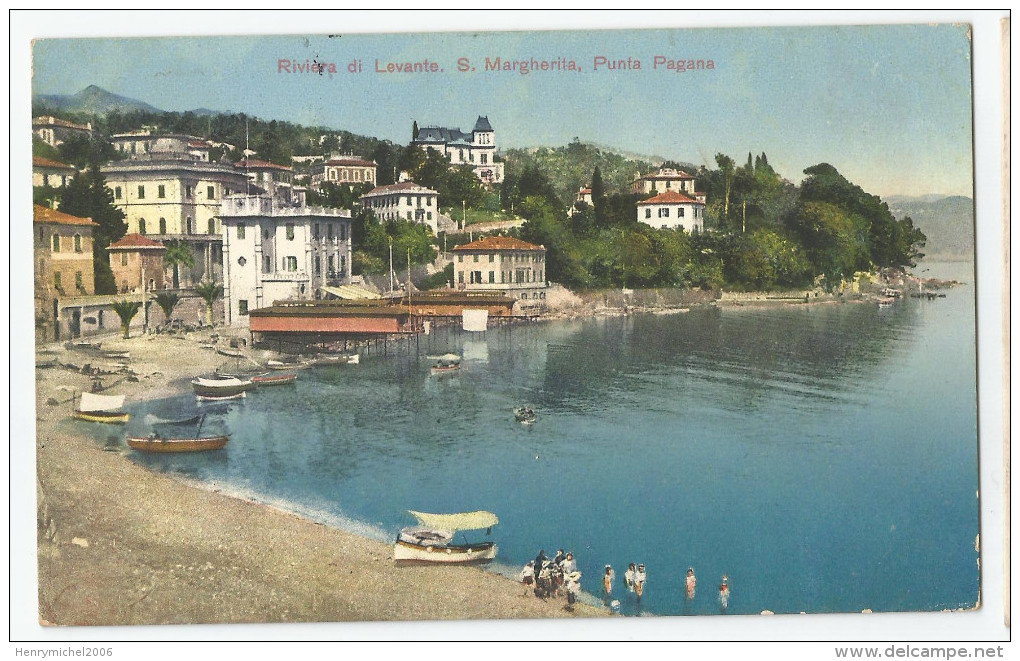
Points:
(119, 544)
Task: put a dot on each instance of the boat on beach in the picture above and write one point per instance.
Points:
(446, 364)
(156, 443)
(279, 365)
(432, 540)
(220, 385)
(101, 408)
(273, 379)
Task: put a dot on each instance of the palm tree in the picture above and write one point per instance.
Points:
(209, 291)
(178, 253)
(167, 301)
(126, 310)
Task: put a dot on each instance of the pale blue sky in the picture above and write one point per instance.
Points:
(889, 106)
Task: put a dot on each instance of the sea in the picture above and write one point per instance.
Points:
(820, 458)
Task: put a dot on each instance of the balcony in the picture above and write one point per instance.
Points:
(286, 276)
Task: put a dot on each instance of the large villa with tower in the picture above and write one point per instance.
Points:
(477, 148)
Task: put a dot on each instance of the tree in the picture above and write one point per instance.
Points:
(178, 254)
(126, 310)
(414, 130)
(728, 167)
(209, 292)
(87, 196)
(167, 301)
(598, 198)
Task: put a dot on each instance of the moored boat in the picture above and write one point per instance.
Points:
(152, 419)
(525, 415)
(273, 379)
(216, 385)
(220, 398)
(432, 541)
(101, 408)
(156, 443)
(446, 364)
(279, 365)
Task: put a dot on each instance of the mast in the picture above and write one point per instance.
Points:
(247, 181)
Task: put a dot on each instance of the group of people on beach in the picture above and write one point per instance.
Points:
(546, 577)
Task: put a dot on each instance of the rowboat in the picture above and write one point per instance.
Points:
(525, 415)
(217, 385)
(101, 408)
(156, 443)
(232, 353)
(279, 365)
(446, 364)
(220, 398)
(151, 419)
(273, 379)
(432, 541)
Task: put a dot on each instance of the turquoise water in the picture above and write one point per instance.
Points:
(823, 458)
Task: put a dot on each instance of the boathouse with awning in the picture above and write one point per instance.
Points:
(318, 321)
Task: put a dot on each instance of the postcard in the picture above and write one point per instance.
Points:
(344, 327)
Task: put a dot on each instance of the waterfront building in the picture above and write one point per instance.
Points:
(168, 195)
(666, 180)
(407, 201)
(350, 170)
(47, 172)
(136, 259)
(672, 210)
(55, 131)
(63, 259)
(279, 250)
(501, 263)
(477, 148)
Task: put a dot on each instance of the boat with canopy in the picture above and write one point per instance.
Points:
(101, 408)
(433, 540)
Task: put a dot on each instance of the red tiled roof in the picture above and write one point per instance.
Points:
(47, 215)
(669, 197)
(499, 243)
(136, 241)
(40, 162)
(255, 163)
(399, 188)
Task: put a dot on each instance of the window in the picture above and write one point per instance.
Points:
(211, 192)
(648, 213)
(460, 258)
(492, 257)
(429, 215)
(664, 213)
(476, 259)
(318, 265)
(141, 192)
(240, 230)
(242, 307)
(123, 259)
(241, 261)
(680, 212)
(315, 232)
(290, 264)
(190, 229)
(189, 191)
(460, 277)
(492, 276)
(212, 226)
(485, 159)
(116, 193)
(162, 225)
(408, 200)
(290, 231)
(267, 264)
(56, 243)
(331, 263)
(79, 281)
(77, 242)
(57, 284)
(161, 191)
(141, 226)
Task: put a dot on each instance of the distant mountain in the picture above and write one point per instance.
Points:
(92, 99)
(948, 222)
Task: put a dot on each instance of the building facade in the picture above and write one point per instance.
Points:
(273, 250)
(175, 196)
(477, 148)
(135, 260)
(135, 143)
(406, 201)
(47, 172)
(672, 210)
(503, 264)
(276, 180)
(665, 180)
(349, 170)
(55, 131)
(63, 260)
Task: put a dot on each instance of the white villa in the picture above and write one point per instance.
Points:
(145, 141)
(274, 250)
(477, 148)
(667, 179)
(406, 200)
(672, 210)
(349, 170)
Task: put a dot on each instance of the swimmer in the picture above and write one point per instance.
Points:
(628, 577)
(691, 582)
(639, 581)
(607, 582)
(724, 593)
